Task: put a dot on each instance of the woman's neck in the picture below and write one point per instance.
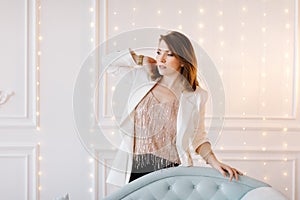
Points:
(170, 80)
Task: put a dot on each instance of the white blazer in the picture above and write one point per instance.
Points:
(190, 120)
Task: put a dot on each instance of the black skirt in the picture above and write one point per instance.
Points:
(147, 163)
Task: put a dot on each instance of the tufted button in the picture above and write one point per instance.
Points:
(169, 187)
(194, 186)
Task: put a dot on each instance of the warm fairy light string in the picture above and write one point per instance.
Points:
(39, 38)
(201, 25)
(287, 62)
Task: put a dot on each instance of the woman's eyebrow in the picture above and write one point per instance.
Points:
(167, 50)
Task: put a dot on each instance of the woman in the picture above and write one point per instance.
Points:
(164, 119)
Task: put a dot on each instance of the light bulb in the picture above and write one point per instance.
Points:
(91, 9)
(116, 28)
(221, 28)
(285, 173)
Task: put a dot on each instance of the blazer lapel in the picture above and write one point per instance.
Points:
(185, 111)
(135, 97)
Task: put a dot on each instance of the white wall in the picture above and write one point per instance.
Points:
(41, 155)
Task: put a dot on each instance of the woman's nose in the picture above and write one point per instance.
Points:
(162, 58)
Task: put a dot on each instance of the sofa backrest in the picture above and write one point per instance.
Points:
(186, 183)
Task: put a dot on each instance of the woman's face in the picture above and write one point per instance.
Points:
(167, 63)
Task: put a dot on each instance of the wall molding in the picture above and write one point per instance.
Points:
(29, 153)
(31, 68)
(5, 96)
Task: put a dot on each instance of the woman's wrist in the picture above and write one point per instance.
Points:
(138, 59)
(213, 161)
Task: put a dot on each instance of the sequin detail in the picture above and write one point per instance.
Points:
(155, 133)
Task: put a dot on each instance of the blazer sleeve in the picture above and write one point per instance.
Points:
(117, 61)
(200, 135)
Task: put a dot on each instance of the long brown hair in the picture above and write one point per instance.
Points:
(183, 50)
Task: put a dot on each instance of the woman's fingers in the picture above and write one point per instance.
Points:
(233, 173)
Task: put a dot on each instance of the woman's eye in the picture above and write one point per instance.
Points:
(158, 52)
(170, 54)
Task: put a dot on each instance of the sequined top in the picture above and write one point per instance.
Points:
(155, 129)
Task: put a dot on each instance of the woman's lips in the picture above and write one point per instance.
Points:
(162, 67)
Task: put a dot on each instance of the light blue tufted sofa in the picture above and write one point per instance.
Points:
(194, 183)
